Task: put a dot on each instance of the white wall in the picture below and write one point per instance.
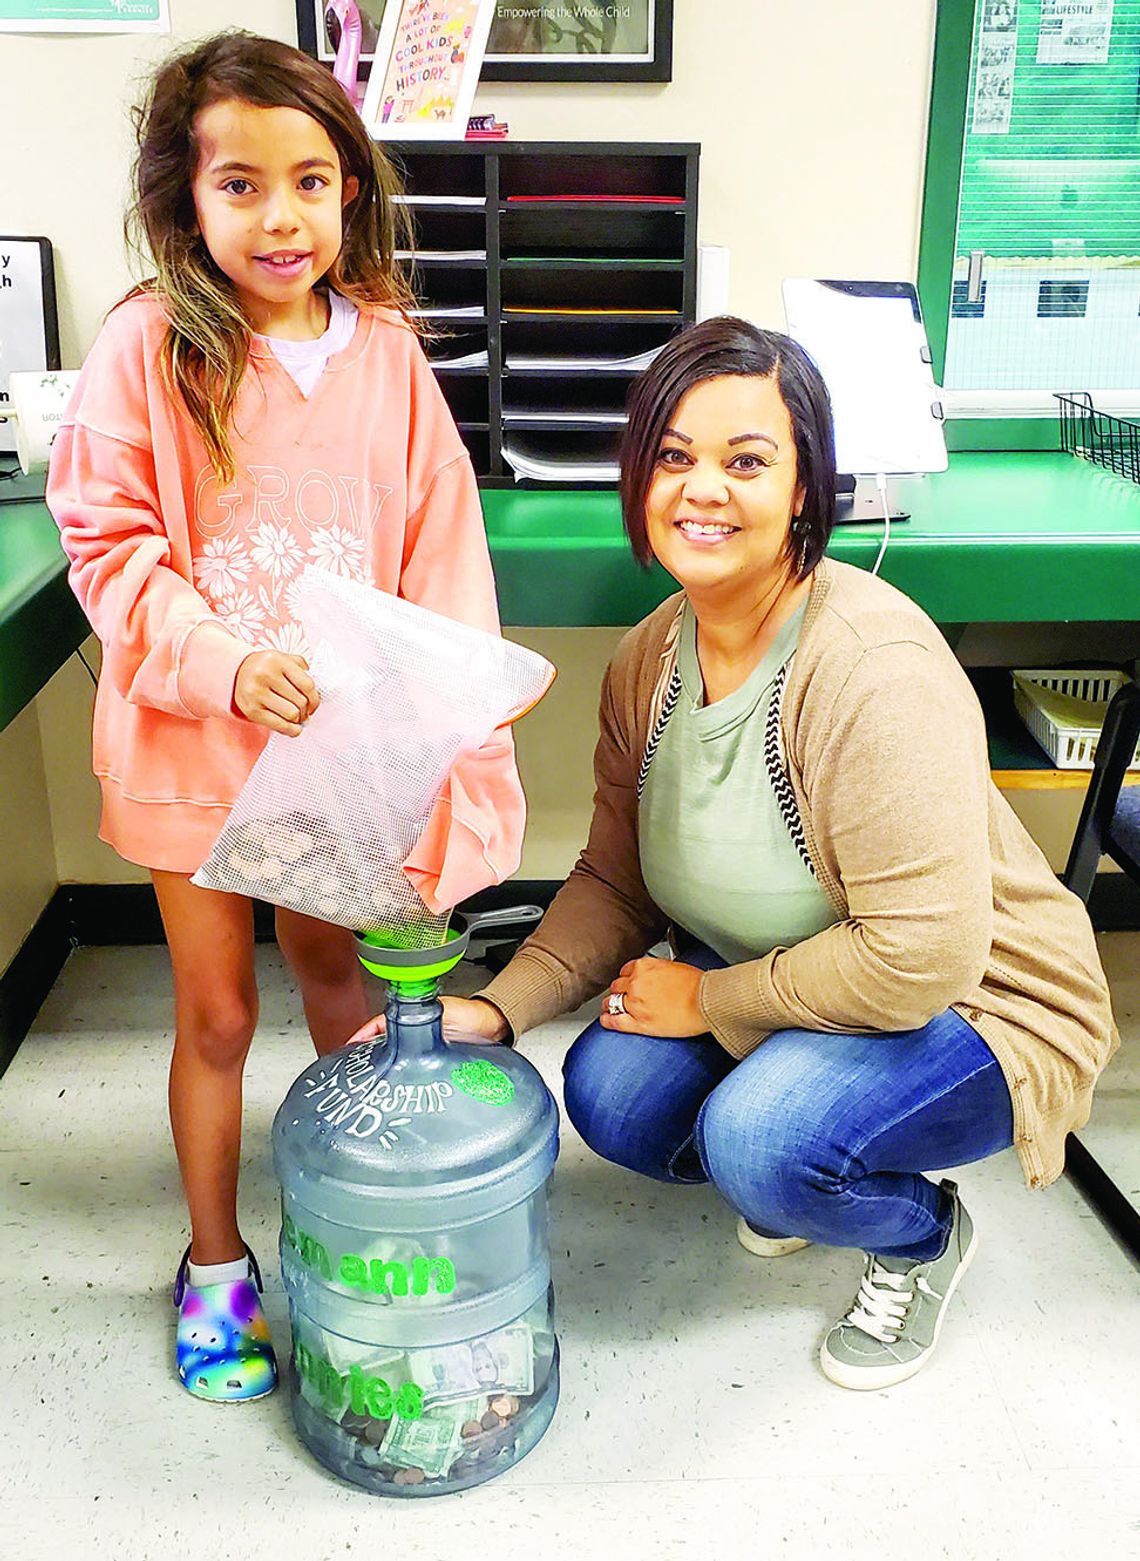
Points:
(811, 115)
(812, 120)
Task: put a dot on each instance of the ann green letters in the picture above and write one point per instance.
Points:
(390, 1278)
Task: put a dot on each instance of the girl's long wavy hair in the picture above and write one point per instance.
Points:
(207, 344)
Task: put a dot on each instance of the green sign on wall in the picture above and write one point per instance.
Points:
(102, 16)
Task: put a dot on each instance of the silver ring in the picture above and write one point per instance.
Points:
(615, 1004)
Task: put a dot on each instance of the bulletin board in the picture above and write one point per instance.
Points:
(1052, 150)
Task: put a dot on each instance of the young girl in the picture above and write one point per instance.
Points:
(259, 405)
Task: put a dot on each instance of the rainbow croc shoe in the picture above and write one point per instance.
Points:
(223, 1350)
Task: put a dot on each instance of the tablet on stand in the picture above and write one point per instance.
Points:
(868, 341)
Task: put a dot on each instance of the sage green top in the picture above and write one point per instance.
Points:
(716, 855)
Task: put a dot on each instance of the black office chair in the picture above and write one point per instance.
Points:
(1109, 826)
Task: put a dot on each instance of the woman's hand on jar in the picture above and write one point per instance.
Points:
(658, 997)
(473, 1019)
(464, 1019)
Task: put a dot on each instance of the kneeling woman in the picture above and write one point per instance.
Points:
(876, 973)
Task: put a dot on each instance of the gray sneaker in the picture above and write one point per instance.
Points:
(767, 1246)
(892, 1328)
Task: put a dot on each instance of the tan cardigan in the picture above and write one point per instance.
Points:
(943, 898)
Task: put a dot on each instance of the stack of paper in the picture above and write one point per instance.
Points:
(440, 200)
(543, 469)
(441, 254)
(649, 314)
(524, 415)
(470, 360)
(591, 260)
(619, 200)
(466, 312)
(640, 360)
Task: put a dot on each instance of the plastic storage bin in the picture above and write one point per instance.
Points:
(414, 1250)
(1068, 735)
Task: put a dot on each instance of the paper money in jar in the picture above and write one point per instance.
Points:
(431, 1443)
(501, 1361)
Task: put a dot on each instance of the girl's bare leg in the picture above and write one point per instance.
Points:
(323, 959)
(210, 935)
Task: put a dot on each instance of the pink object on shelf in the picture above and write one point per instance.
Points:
(343, 25)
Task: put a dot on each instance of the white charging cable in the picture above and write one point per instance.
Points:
(881, 484)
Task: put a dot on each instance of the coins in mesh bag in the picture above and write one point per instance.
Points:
(240, 864)
(289, 844)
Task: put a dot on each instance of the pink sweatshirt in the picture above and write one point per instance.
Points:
(181, 577)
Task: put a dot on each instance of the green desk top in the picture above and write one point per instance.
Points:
(998, 538)
(41, 623)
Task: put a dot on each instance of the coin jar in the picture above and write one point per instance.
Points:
(414, 1252)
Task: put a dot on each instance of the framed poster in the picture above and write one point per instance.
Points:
(84, 16)
(580, 40)
(560, 40)
(425, 68)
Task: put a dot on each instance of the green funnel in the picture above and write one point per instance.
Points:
(412, 972)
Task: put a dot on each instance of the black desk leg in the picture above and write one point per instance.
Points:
(1104, 1195)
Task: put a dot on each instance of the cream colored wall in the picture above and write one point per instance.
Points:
(64, 711)
(29, 873)
(811, 119)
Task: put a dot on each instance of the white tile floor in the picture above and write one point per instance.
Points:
(694, 1421)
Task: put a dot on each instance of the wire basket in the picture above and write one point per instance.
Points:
(1068, 738)
(1101, 437)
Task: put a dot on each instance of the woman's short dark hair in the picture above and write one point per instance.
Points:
(711, 350)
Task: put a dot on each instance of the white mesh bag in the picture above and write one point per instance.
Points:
(326, 819)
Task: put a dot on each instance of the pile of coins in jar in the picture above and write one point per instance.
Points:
(472, 1395)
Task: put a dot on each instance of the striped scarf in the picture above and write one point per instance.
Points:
(666, 693)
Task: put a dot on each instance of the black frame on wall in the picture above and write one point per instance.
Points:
(537, 66)
(593, 67)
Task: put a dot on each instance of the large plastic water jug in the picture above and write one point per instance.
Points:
(414, 1247)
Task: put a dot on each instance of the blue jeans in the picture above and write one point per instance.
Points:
(813, 1134)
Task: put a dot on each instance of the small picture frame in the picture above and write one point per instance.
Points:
(585, 41)
(425, 69)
